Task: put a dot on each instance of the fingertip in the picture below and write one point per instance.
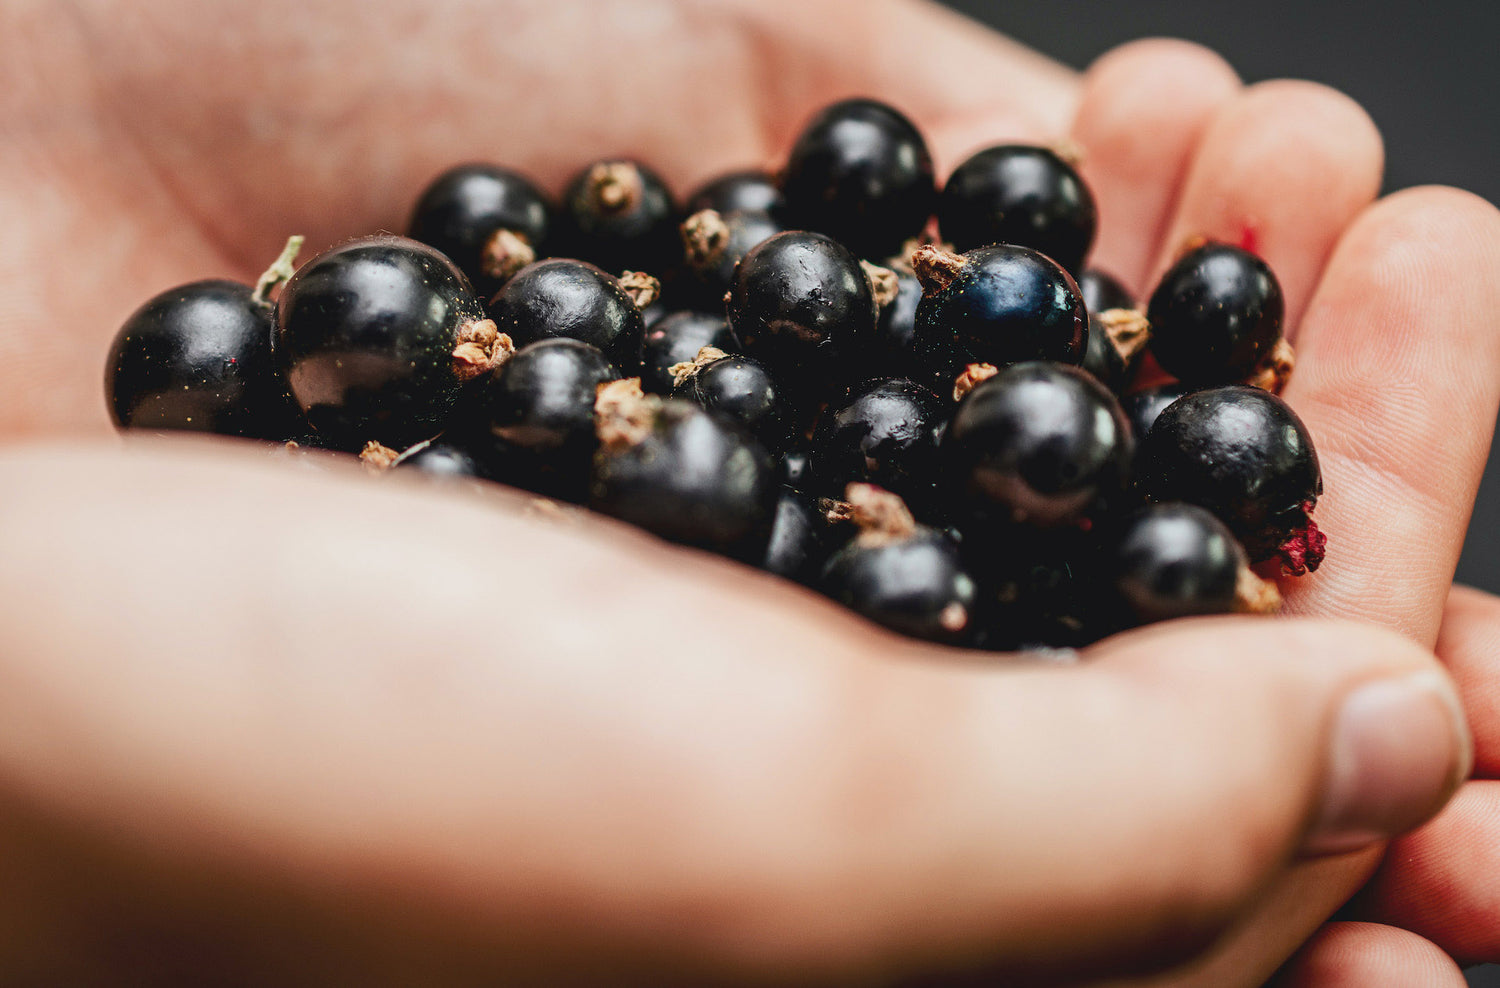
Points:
(1357, 955)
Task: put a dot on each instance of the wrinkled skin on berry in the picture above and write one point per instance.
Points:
(1244, 455)
(1018, 194)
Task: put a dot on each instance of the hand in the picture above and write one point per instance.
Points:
(303, 724)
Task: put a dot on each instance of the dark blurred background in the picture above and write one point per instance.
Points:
(1424, 71)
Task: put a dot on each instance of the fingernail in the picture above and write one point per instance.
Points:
(1399, 749)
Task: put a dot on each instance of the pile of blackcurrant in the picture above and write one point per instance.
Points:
(916, 400)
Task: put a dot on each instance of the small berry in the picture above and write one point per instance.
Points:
(801, 538)
(676, 338)
(377, 338)
(1215, 316)
(861, 173)
(1144, 407)
(1178, 560)
(886, 433)
(1038, 443)
(198, 358)
(489, 221)
(620, 215)
(1243, 454)
(713, 245)
(442, 459)
(1017, 194)
(995, 305)
(738, 388)
(753, 191)
(568, 299)
(1103, 291)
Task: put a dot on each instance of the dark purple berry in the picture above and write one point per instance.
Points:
(490, 221)
(620, 215)
(676, 339)
(741, 390)
(1215, 316)
(1103, 291)
(1017, 194)
(885, 433)
(1142, 408)
(442, 459)
(562, 298)
(861, 173)
(1178, 560)
(751, 190)
(713, 245)
(801, 538)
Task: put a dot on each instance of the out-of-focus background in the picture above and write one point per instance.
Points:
(1423, 70)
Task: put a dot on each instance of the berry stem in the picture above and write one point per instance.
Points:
(935, 267)
(1128, 331)
(282, 269)
(705, 237)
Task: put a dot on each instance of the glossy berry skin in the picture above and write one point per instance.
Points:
(561, 298)
(794, 468)
(750, 190)
(742, 390)
(891, 351)
(886, 433)
(712, 280)
(1243, 454)
(675, 339)
(801, 538)
(694, 479)
(1144, 407)
(915, 585)
(542, 398)
(635, 230)
(441, 459)
(1103, 291)
(1175, 560)
(1005, 305)
(1040, 444)
(1018, 194)
(198, 358)
(861, 173)
(365, 335)
(1215, 315)
(464, 207)
(800, 299)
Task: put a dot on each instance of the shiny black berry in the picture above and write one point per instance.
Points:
(685, 475)
(198, 358)
(1017, 194)
(714, 243)
(861, 173)
(675, 339)
(1215, 316)
(801, 538)
(1178, 560)
(798, 301)
(620, 215)
(904, 576)
(886, 434)
(1103, 291)
(1039, 443)
(751, 190)
(740, 389)
(1142, 408)
(376, 339)
(1243, 454)
(443, 459)
(490, 221)
(562, 298)
(995, 305)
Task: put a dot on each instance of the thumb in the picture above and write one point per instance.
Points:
(1126, 810)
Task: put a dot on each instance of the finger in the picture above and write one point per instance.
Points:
(1404, 312)
(440, 734)
(1365, 955)
(1143, 108)
(1281, 170)
(1443, 881)
(1469, 645)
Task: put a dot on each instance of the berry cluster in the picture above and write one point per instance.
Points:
(974, 440)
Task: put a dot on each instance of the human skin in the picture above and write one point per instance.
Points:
(260, 713)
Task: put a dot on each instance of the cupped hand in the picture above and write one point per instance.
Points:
(295, 726)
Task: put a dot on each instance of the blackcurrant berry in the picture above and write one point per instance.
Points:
(899, 574)
(1243, 454)
(681, 473)
(861, 173)
(675, 339)
(1103, 291)
(620, 215)
(1038, 443)
(490, 221)
(886, 434)
(1017, 194)
(751, 190)
(198, 358)
(713, 245)
(995, 305)
(891, 350)
(442, 459)
(1215, 316)
(562, 298)
(801, 538)
(1142, 408)
(799, 300)
(377, 338)
(1178, 560)
(738, 388)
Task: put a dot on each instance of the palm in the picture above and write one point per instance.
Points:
(173, 148)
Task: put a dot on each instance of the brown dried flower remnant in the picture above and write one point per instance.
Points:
(481, 348)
